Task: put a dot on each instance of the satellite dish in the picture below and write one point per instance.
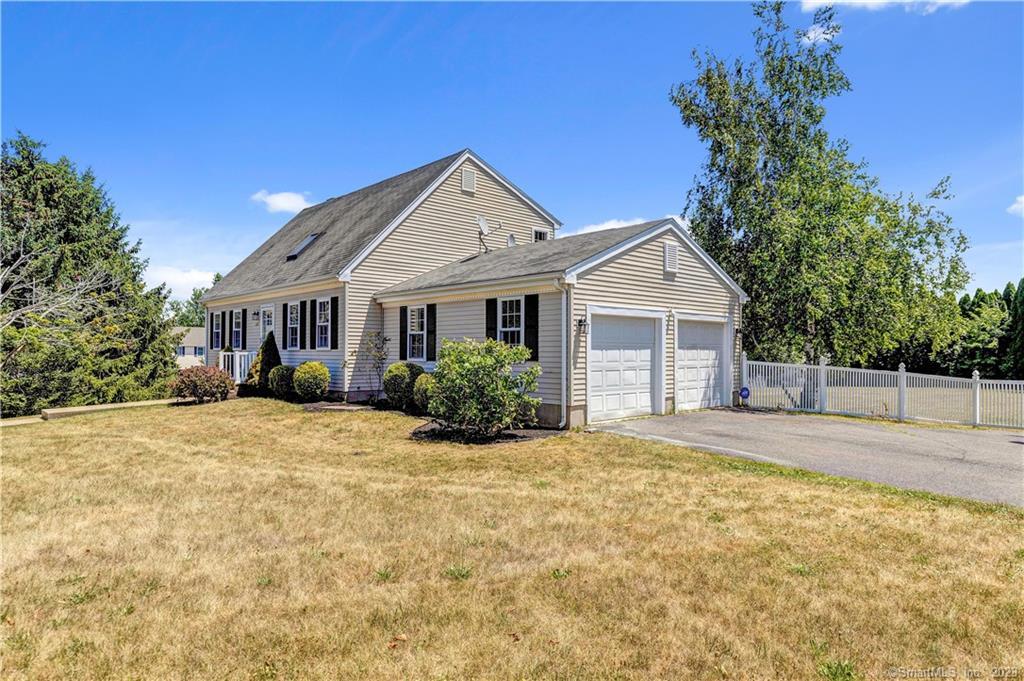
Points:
(482, 222)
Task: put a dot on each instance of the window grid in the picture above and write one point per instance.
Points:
(540, 235)
(510, 322)
(216, 332)
(266, 322)
(417, 332)
(323, 324)
(293, 325)
(236, 329)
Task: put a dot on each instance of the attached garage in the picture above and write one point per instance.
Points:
(623, 366)
(701, 363)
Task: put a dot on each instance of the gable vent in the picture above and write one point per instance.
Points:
(468, 180)
(671, 257)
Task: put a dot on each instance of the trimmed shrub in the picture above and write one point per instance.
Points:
(280, 381)
(476, 394)
(311, 380)
(203, 384)
(421, 390)
(398, 381)
(267, 357)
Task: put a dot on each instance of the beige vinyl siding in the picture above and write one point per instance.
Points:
(637, 279)
(332, 359)
(440, 230)
(467, 319)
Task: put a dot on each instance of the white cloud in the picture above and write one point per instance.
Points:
(608, 224)
(816, 34)
(1018, 207)
(180, 281)
(919, 6)
(281, 202)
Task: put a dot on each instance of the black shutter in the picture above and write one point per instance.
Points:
(312, 324)
(431, 332)
(530, 325)
(244, 328)
(302, 325)
(209, 334)
(284, 326)
(491, 312)
(334, 322)
(223, 327)
(403, 331)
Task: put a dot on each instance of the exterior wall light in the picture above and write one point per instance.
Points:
(583, 326)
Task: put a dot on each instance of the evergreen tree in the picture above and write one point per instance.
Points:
(111, 342)
(1014, 361)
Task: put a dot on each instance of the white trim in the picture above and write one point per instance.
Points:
(660, 339)
(541, 230)
(728, 335)
(701, 317)
(273, 321)
(241, 329)
(487, 288)
(669, 224)
(522, 318)
(217, 333)
(564, 353)
(330, 321)
(408, 333)
(281, 291)
(346, 273)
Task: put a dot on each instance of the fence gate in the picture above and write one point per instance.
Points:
(891, 394)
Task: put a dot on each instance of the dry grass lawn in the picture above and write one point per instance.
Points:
(251, 539)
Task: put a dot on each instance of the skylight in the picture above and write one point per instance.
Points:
(302, 246)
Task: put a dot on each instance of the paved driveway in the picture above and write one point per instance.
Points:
(987, 465)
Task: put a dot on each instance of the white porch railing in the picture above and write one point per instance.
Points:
(236, 364)
(893, 394)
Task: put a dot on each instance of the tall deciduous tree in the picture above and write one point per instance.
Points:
(833, 265)
(80, 325)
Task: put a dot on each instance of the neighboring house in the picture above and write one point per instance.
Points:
(623, 322)
(191, 350)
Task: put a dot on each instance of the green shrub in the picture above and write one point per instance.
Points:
(203, 384)
(399, 379)
(267, 357)
(476, 395)
(421, 390)
(311, 381)
(280, 381)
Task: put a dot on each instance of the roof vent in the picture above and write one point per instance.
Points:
(671, 257)
(303, 245)
(468, 180)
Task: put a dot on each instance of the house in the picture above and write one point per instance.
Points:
(191, 350)
(623, 322)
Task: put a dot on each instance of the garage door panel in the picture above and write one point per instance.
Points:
(620, 366)
(699, 356)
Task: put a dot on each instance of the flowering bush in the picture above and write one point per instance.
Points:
(203, 384)
(311, 380)
(476, 394)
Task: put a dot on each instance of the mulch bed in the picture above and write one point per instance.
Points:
(431, 431)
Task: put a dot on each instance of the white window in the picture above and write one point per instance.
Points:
(323, 324)
(293, 325)
(236, 329)
(510, 320)
(468, 180)
(181, 351)
(266, 321)
(417, 333)
(216, 332)
(540, 235)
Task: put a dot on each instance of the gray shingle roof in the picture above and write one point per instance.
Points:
(541, 257)
(348, 223)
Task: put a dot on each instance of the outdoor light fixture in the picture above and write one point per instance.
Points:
(255, 314)
(582, 325)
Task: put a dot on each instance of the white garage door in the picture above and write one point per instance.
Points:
(699, 370)
(621, 367)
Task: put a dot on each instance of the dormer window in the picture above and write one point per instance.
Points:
(303, 245)
(540, 235)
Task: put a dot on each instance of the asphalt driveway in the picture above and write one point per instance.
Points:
(982, 464)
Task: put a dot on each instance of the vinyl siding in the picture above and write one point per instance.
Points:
(440, 230)
(333, 359)
(466, 319)
(637, 279)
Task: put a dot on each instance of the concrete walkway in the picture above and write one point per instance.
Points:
(982, 464)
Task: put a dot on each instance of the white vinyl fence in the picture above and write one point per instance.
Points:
(892, 394)
(236, 364)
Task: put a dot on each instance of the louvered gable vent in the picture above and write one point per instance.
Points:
(671, 257)
(468, 180)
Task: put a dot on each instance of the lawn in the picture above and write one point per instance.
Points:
(251, 539)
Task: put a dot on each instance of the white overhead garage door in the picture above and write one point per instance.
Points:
(621, 367)
(699, 364)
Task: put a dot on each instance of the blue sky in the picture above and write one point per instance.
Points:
(201, 118)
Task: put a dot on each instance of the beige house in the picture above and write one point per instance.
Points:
(191, 350)
(623, 322)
